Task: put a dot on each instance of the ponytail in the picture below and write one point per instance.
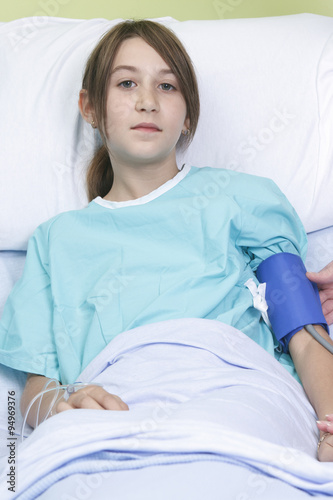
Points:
(100, 174)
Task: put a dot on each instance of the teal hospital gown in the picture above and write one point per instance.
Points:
(186, 250)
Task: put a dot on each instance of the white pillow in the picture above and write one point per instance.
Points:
(45, 144)
(266, 92)
(11, 268)
(267, 104)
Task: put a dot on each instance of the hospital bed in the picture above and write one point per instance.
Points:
(266, 90)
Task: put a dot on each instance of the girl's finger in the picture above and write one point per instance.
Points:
(61, 406)
(81, 399)
(104, 399)
(91, 398)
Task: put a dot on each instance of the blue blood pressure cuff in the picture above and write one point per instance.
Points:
(293, 300)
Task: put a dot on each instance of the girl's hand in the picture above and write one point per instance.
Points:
(91, 397)
(325, 451)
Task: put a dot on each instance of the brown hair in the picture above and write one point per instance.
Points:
(96, 79)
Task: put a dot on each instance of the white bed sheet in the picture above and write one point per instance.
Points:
(195, 481)
(197, 390)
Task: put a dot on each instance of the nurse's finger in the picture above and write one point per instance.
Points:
(325, 276)
(327, 307)
(326, 294)
(325, 426)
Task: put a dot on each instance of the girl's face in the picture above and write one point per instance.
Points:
(146, 111)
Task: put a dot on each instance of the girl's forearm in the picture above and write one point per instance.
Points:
(314, 365)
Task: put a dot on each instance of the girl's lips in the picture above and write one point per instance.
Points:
(147, 127)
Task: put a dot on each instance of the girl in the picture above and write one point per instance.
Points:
(150, 246)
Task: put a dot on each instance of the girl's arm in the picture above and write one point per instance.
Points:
(89, 397)
(314, 365)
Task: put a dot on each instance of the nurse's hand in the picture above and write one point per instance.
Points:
(325, 451)
(91, 397)
(324, 280)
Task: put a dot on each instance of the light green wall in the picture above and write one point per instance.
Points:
(179, 9)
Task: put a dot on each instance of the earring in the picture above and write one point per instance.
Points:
(93, 124)
(186, 131)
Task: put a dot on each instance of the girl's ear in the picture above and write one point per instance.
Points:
(187, 124)
(86, 109)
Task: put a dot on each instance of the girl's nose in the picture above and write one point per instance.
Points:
(147, 100)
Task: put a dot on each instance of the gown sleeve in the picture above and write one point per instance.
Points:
(269, 222)
(26, 338)
(270, 225)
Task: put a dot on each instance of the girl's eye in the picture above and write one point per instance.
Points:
(167, 86)
(127, 84)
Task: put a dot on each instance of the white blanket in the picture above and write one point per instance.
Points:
(196, 389)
